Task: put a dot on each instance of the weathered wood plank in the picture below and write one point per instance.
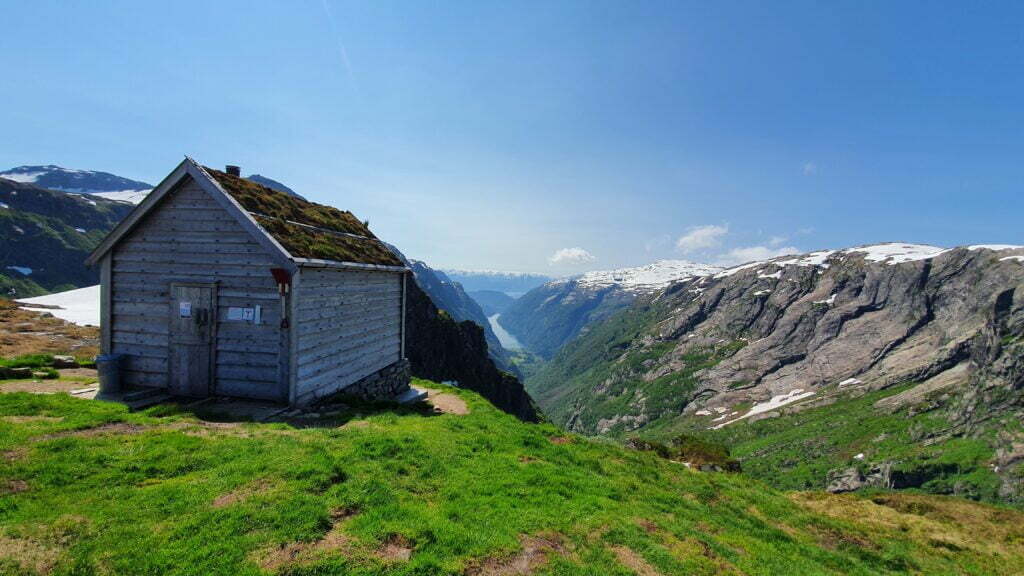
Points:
(249, 373)
(120, 337)
(249, 389)
(247, 358)
(138, 325)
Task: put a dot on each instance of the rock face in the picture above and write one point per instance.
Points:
(450, 297)
(748, 341)
(442, 349)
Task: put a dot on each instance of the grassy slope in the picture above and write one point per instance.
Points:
(40, 229)
(602, 373)
(797, 449)
(14, 285)
(88, 487)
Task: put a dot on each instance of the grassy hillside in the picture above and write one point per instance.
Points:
(923, 449)
(86, 487)
(48, 235)
(571, 388)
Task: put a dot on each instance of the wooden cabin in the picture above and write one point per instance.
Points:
(218, 286)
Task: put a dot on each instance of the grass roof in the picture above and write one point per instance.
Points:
(307, 229)
(304, 242)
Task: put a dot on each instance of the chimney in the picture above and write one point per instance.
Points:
(233, 170)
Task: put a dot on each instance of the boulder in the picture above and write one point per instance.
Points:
(19, 373)
(845, 480)
(65, 362)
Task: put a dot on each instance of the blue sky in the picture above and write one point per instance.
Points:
(551, 137)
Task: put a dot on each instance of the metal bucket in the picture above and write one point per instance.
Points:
(108, 366)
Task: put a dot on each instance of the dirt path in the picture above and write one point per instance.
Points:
(44, 386)
(446, 403)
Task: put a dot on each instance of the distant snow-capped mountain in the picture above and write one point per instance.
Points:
(647, 278)
(103, 184)
(512, 283)
(549, 316)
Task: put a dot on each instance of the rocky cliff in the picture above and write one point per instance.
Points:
(944, 328)
(442, 349)
(450, 297)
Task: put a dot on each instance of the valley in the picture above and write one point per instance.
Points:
(886, 366)
(567, 288)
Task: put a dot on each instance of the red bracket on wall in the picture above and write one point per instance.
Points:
(284, 284)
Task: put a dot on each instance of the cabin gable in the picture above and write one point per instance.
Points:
(191, 238)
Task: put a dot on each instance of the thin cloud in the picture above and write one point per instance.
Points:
(574, 256)
(745, 254)
(701, 238)
(337, 36)
(810, 169)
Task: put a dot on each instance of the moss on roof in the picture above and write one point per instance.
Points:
(304, 242)
(328, 234)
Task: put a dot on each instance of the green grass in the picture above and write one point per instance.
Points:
(87, 487)
(796, 450)
(27, 361)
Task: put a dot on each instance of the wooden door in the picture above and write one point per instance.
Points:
(193, 321)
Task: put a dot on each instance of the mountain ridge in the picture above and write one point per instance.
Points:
(45, 236)
(771, 338)
(548, 316)
(72, 181)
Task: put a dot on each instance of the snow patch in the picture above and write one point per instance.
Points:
(828, 301)
(647, 278)
(859, 456)
(776, 275)
(849, 382)
(762, 292)
(23, 177)
(776, 402)
(82, 230)
(25, 270)
(818, 258)
(3, 205)
(1017, 258)
(80, 306)
(130, 196)
(730, 271)
(703, 412)
(896, 253)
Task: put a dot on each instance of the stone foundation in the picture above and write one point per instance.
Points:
(385, 384)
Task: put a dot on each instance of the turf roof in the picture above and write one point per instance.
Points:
(307, 229)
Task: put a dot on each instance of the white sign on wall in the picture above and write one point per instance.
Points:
(239, 314)
(185, 309)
